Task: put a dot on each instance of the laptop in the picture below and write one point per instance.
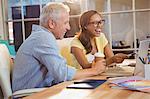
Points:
(128, 70)
(142, 53)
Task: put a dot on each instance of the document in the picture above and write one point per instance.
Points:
(131, 83)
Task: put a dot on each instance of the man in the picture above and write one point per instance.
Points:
(38, 62)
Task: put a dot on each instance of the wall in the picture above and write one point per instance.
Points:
(1, 36)
(1, 22)
(143, 20)
(122, 27)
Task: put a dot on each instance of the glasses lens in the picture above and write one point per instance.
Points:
(101, 22)
(97, 23)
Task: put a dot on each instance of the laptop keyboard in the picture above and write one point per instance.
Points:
(115, 69)
(119, 71)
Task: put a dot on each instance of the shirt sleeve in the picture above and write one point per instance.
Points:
(76, 43)
(104, 39)
(101, 42)
(47, 52)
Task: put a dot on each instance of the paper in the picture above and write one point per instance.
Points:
(127, 62)
(116, 81)
(136, 84)
(131, 83)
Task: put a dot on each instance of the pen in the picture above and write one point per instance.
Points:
(84, 82)
(88, 81)
(149, 59)
(146, 60)
(142, 60)
(131, 54)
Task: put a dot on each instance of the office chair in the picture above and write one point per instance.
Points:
(5, 78)
(64, 46)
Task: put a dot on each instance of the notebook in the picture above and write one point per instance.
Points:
(142, 52)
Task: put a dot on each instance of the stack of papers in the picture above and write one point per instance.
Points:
(131, 83)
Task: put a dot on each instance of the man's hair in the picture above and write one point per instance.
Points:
(53, 11)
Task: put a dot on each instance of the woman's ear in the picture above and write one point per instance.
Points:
(51, 24)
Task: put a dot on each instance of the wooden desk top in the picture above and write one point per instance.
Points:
(102, 92)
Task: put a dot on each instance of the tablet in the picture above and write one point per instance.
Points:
(86, 84)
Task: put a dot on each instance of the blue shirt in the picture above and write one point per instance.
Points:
(38, 62)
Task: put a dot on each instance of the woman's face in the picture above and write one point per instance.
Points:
(95, 25)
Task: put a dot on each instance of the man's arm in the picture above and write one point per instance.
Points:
(96, 69)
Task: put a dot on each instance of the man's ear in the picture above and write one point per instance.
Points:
(51, 24)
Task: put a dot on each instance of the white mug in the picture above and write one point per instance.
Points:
(147, 71)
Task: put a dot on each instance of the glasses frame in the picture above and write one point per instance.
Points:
(97, 23)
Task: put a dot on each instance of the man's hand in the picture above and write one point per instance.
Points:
(99, 66)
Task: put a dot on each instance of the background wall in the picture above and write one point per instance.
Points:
(143, 20)
(1, 36)
(122, 24)
(1, 22)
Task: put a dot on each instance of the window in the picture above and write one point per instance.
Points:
(23, 13)
(127, 21)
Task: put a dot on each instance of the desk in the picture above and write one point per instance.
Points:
(102, 92)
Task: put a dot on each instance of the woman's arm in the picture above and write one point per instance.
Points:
(109, 54)
(80, 56)
(111, 58)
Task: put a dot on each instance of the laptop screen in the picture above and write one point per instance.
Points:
(141, 55)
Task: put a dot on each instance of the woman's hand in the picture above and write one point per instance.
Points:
(118, 58)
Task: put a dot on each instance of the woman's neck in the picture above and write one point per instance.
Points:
(94, 47)
(92, 40)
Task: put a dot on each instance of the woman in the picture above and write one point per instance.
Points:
(91, 40)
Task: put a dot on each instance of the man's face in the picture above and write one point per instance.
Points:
(61, 26)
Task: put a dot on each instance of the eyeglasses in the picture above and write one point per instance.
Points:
(97, 23)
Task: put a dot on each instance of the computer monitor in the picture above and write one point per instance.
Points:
(142, 53)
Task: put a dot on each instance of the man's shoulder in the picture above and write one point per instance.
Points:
(42, 35)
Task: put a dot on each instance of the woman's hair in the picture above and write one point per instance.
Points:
(52, 11)
(85, 35)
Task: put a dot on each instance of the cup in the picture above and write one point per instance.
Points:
(147, 71)
(99, 56)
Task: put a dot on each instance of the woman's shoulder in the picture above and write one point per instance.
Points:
(102, 35)
(75, 39)
(76, 43)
